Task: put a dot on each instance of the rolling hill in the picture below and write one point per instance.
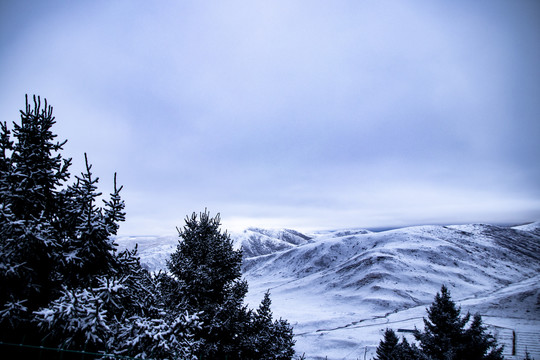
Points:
(341, 288)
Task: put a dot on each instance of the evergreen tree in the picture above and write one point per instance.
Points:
(387, 349)
(442, 337)
(114, 210)
(205, 262)
(206, 271)
(391, 349)
(206, 279)
(38, 168)
(283, 340)
(410, 352)
(388, 346)
(88, 246)
(446, 338)
(35, 223)
(479, 344)
(62, 283)
(31, 173)
(268, 338)
(121, 314)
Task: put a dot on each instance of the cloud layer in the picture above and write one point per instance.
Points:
(297, 114)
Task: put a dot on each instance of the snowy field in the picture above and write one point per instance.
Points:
(341, 289)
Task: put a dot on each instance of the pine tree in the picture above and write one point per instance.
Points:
(479, 344)
(114, 210)
(38, 167)
(446, 338)
(444, 326)
(88, 246)
(388, 347)
(61, 281)
(206, 279)
(36, 221)
(268, 338)
(31, 173)
(205, 262)
(206, 271)
(391, 349)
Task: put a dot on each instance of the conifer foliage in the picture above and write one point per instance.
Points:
(62, 283)
(206, 279)
(390, 348)
(269, 339)
(32, 172)
(205, 263)
(445, 336)
(89, 248)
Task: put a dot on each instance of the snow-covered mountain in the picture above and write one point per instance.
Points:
(340, 289)
(256, 242)
(155, 250)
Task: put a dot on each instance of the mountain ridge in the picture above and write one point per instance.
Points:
(330, 284)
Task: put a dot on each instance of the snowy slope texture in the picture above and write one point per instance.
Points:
(533, 227)
(341, 288)
(256, 241)
(155, 250)
(402, 268)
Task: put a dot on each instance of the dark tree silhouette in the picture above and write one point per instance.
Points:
(206, 278)
(445, 336)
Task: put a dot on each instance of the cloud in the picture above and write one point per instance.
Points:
(323, 114)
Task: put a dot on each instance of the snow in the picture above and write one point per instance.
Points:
(533, 227)
(341, 289)
(256, 241)
(153, 250)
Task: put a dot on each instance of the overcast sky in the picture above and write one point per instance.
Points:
(299, 114)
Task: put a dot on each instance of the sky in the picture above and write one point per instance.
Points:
(298, 114)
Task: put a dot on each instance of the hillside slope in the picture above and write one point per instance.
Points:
(341, 288)
(405, 267)
(155, 250)
(337, 282)
(256, 241)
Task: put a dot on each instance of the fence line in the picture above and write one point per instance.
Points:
(102, 355)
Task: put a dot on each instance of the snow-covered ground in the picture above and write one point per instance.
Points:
(340, 289)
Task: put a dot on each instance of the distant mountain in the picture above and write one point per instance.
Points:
(341, 288)
(472, 259)
(256, 242)
(533, 227)
(155, 250)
